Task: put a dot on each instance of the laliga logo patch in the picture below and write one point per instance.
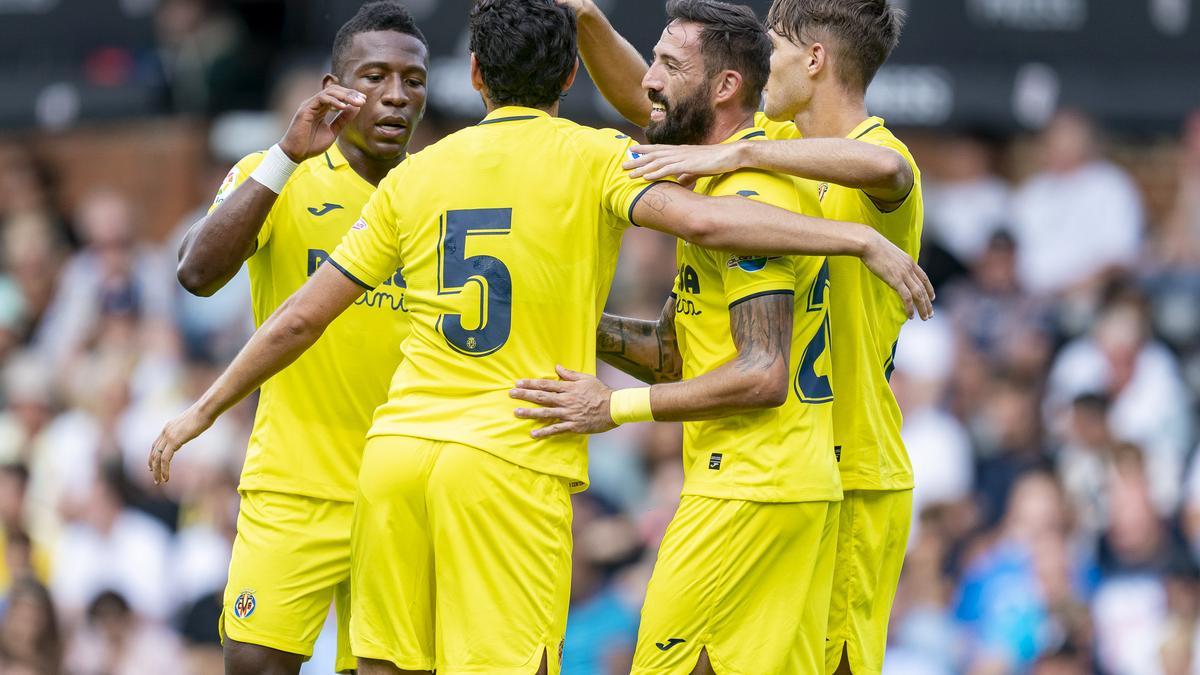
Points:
(360, 225)
(821, 190)
(632, 155)
(227, 185)
(748, 263)
(244, 605)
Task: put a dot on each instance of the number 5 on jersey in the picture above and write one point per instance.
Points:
(810, 387)
(484, 274)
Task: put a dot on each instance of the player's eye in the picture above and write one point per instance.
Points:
(416, 83)
(374, 77)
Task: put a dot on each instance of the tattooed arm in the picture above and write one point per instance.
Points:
(758, 377)
(646, 350)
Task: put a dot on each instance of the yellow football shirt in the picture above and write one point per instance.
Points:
(865, 319)
(312, 418)
(782, 454)
(508, 233)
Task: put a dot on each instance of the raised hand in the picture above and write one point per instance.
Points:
(309, 133)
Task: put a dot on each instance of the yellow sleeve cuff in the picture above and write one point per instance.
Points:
(630, 405)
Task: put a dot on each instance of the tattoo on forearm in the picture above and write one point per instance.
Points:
(762, 331)
(647, 350)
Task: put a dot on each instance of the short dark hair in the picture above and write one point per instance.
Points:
(864, 32)
(526, 50)
(381, 15)
(731, 38)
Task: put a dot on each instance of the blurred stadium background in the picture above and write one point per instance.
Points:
(1050, 407)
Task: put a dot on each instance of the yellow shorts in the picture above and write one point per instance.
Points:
(749, 582)
(462, 561)
(291, 559)
(872, 540)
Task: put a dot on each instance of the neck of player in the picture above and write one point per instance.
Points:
(728, 121)
(371, 169)
(833, 112)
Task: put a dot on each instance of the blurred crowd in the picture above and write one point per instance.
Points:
(1050, 412)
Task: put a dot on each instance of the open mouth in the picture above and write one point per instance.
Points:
(658, 112)
(391, 127)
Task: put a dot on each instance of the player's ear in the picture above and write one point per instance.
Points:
(571, 78)
(728, 86)
(329, 79)
(476, 75)
(817, 59)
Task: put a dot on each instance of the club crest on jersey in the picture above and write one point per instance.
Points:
(821, 190)
(359, 225)
(244, 605)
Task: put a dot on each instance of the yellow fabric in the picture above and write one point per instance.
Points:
(313, 417)
(630, 405)
(462, 561)
(865, 319)
(508, 233)
(291, 559)
(776, 454)
(872, 538)
(747, 581)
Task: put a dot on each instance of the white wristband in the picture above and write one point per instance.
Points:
(275, 170)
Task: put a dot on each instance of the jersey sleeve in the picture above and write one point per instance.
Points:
(748, 277)
(370, 250)
(236, 176)
(621, 193)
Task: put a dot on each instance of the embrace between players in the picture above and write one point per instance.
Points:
(413, 307)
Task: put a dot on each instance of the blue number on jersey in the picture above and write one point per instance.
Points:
(810, 387)
(491, 276)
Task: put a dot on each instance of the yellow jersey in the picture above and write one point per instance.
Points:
(865, 318)
(782, 454)
(508, 234)
(312, 418)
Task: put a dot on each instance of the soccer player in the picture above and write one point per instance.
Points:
(507, 232)
(743, 578)
(291, 557)
(826, 53)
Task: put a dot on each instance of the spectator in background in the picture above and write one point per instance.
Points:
(1083, 462)
(602, 622)
(29, 631)
(115, 642)
(110, 546)
(1137, 556)
(1079, 217)
(1177, 241)
(1003, 325)
(1009, 440)
(207, 58)
(1014, 587)
(114, 270)
(1151, 404)
(965, 201)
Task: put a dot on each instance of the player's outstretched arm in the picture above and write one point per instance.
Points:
(880, 172)
(647, 350)
(612, 62)
(747, 227)
(216, 246)
(291, 330)
(756, 378)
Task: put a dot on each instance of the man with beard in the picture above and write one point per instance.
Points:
(743, 578)
(291, 558)
(826, 53)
